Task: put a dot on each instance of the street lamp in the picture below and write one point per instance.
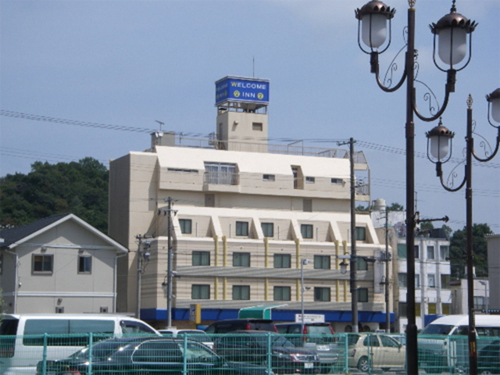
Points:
(439, 145)
(303, 262)
(450, 33)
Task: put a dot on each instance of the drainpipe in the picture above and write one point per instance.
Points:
(16, 283)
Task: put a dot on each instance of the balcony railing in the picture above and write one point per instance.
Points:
(221, 178)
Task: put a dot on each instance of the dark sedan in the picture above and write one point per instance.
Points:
(260, 347)
(147, 355)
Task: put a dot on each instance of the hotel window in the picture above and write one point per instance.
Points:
(43, 264)
(282, 261)
(444, 253)
(185, 225)
(360, 234)
(241, 292)
(85, 264)
(241, 259)
(267, 229)
(200, 292)
(200, 258)
(363, 295)
(221, 174)
(431, 280)
(282, 293)
(322, 262)
(430, 252)
(242, 228)
(322, 294)
(269, 177)
(306, 230)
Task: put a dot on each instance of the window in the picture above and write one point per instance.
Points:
(444, 253)
(84, 264)
(402, 309)
(417, 281)
(446, 307)
(322, 262)
(306, 230)
(282, 261)
(182, 170)
(418, 312)
(479, 303)
(185, 225)
(310, 180)
(242, 228)
(267, 229)
(360, 234)
(241, 292)
(417, 252)
(221, 174)
(201, 258)
(43, 263)
(445, 281)
(401, 251)
(307, 205)
(337, 181)
(361, 264)
(430, 252)
(200, 292)
(241, 259)
(322, 294)
(269, 177)
(431, 308)
(257, 126)
(363, 295)
(402, 280)
(431, 280)
(282, 293)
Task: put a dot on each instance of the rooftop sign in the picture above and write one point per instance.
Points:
(244, 90)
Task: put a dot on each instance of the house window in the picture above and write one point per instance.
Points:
(257, 126)
(185, 225)
(445, 281)
(241, 292)
(444, 253)
(337, 181)
(322, 262)
(306, 230)
(431, 280)
(430, 252)
(200, 258)
(402, 280)
(200, 292)
(360, 234)
(402, 309)
(310, 180)
(221, 174)
(417, 281)
(267, 229)
(363, 295)
(43, 264)
(241, 259)
(282, 261)
(322, 294)
(282, 293)
(84, 264)
(361, 264)
(268, 177)
(401, 251)
(242, 228)
(417, 252)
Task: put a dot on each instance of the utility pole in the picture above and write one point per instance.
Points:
(140, 255)
(387, 284)
(170, 272)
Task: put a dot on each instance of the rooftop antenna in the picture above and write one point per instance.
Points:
(161, 124)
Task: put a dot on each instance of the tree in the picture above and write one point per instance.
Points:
(395, 207)
(458, 251)
(80, 188)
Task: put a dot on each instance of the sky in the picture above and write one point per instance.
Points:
(103, 73)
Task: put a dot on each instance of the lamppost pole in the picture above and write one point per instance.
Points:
(303, 262)
(451, 31)
(439, 152)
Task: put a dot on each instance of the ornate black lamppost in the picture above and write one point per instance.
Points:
(450, 33)
(439, 150)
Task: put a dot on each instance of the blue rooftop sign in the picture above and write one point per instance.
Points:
(239, 89)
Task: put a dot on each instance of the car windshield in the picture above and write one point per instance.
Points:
(195, 336)
(101, 350)
(276, 341)
(437, 329)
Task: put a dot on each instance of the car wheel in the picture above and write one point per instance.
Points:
(363, 364)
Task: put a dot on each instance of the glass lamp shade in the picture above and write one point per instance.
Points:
(495, 109)
(374, 29)
(452, 45)
(440, 146)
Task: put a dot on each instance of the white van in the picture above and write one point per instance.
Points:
(22, 336)
(443, 344)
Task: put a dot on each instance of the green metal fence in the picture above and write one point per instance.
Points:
(250, 353)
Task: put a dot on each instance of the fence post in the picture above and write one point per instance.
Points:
(44, 355)
(184, 360)
(269, 355)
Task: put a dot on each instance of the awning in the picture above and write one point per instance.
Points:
(258, 312)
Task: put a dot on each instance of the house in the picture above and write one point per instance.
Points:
(59, 264)
(234, 221)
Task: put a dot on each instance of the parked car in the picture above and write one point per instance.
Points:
(488, 359)
(144, 355)
(373, 350)
(319, 337)
(260, 346)
(191, 334)
(231, 325)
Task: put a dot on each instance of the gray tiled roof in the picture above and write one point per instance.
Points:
(15, 234)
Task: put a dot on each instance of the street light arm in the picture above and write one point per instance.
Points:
(382, 86)
(497, 147)
(443, 184)
(441, 110)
